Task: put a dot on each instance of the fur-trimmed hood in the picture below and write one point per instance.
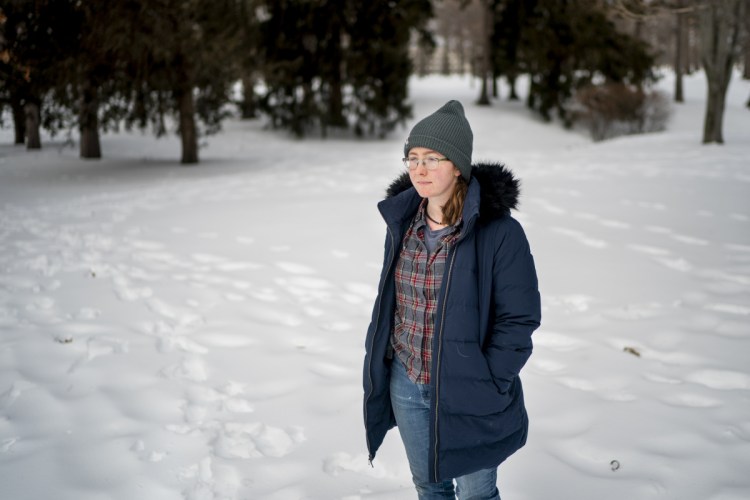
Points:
(499, 189)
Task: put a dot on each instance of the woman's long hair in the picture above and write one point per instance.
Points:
(453, 209)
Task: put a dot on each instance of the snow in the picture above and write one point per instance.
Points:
(197, 333)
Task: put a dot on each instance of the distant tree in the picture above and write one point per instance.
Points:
(288, 48)
(377, 64)
(679, 54)
(720, 24)
(35, 46)
(485, 66)
(746, 47)
(506, 38)
(566, 45)
(338, 63)
(179, 63)
(248, 54)
(11, 79)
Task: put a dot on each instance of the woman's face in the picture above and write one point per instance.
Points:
(436, 185)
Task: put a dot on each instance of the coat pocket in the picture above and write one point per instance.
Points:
(466, 384)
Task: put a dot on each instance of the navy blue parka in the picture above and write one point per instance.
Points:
(487, 309)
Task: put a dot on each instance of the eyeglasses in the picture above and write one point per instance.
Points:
(430, 163)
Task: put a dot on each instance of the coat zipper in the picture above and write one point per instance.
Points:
(372, 341)
(437, 364)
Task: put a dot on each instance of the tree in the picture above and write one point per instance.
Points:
(568, 44)
(679, 55)
(485, 67)
(35, 46)
(179, 62)
(378, 64)
(506, 39)
(338, 63)
(720, 24)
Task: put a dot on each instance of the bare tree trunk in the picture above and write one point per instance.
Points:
(336, 97)
(445, 68)
(19, 120)
(188, 131)
(33, 137)
(88, 123)
(720, 27)
(462, 53)
(248, 106)
(485, 70)
(678, 56)
(511, 77)
(746, 51)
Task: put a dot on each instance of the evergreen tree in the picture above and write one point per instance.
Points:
(563, 46)
(506, 37)
(378, 63)
(338, 63)
(36, 44)
(293, 39)
(179, 63)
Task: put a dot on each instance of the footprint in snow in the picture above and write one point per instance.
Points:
(100, 346)
(191, 368)
(209, 480)
(139, 448)
(255, 440)
(341, 462)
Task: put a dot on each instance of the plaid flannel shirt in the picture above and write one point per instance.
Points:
(418, 278)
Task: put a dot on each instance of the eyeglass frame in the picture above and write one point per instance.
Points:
(407, 162)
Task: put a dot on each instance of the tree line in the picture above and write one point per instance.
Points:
(175, 63)
(565, 46)
(308, 65)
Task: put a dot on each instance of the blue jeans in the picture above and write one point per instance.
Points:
(411, 405)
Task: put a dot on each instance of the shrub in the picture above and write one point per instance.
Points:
(613, 109)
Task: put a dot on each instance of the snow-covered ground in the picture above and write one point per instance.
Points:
(197, 333)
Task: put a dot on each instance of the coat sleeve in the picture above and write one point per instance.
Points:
(516, 305)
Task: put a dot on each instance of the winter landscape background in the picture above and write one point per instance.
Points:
(171, 332)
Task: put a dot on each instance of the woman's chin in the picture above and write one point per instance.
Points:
(423, 191)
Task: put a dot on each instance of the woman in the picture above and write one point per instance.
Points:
(452, 323)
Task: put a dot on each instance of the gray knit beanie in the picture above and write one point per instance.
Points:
(448, 132)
